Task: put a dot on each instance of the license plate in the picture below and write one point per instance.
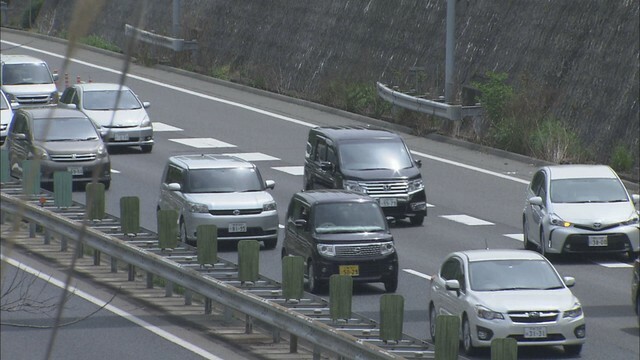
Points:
(388, 202)
(75, 170)
(351, 270)
(535, 332)
(237, 227)
(598, 240)
(121, 137)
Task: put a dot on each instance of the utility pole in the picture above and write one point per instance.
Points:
(450, 47)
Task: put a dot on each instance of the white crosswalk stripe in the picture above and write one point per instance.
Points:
(255, 156)
(158, 126)
(293, 170)
(202, 142)
(467, 220)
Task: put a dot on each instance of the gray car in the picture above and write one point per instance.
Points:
(61, 140)
(116, 110)
(580, 209)
(27, 80)
(220, 190)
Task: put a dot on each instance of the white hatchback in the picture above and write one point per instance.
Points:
(507, 294)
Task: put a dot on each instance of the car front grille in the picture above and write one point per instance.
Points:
(385, 187)
(550, 337)
(529, 317)
(580, 243)
(73, 157)
(33, 100)
(593, 228)
(358, 251)
(251, 231)
(232, 212)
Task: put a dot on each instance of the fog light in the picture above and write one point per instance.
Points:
(580, 331)
(484, 333)
(324, 270)
(418, 206)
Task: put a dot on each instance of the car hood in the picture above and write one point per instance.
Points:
(382, 174)
(344, 238)
(70, 147)
(236, 200)
(527, 300)
(122, 118)
(29, 89)
(605, 213)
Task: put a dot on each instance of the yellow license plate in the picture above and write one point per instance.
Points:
(351, 270)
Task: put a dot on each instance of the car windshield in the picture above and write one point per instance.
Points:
(106, 100)
(504, 275)
(587, 190)
(374, 154)
(68, 129)
(25, 74)
(224, 180)
(348, 217)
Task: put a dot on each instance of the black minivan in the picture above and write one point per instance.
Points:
(375, 162)
(340, 232)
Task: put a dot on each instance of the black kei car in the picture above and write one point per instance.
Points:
(340, 232)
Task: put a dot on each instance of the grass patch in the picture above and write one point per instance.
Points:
(99, 42)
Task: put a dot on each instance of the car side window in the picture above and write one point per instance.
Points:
(20, 126)
(452, 270)
(66, 96)
(174, 175)
(331, 155)
(321, 151)
(537, 182)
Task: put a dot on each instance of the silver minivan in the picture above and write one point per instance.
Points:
(220, 190)
(27, 80)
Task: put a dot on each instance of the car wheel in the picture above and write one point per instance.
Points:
(525, 237)
(107, 184)
(417, 220)
(308, 183)
(632, 255)
(391, 285)
(432, 321)
(146, 148)
(312, 282)
(284, 253)
(543, 245)
(270, 244)
(467, 341)
(572, 349)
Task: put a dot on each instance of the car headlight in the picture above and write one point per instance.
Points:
(632, 221)
(557, 221)
(415, 185)
(39, 154)
(269, 206)
(102, 151)
(145, 122)
(575, 312)
(487, 314)
(326, 250)
(198, 208)
(387, 248)
(353, 186)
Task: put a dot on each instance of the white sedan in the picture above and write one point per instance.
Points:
(116, 111)
(500, 293)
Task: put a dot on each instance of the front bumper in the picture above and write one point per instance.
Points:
(412, 204)
(620, 239)
(101, 165)
(262, 226)
(370, 270)
(134, 136)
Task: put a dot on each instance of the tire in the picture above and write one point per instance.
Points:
(107, 184)
(572, 349)
(417, 220)
(432, 322)
(270, 244)
(391, 285)
(283, 253)
(525, 237)
(467, 341)
(308, 184)
(632, 255)
(146, 148)
(543, 245)
(312, 282)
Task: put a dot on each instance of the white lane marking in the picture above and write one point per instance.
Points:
(242, 106)
(469, 167)
(417, 273)
(430, 205)
(613, 265)
(466, 219)
(255, 156)
(519, 237)
(293, 170)
(72, 289)
(158, 126)
(202, 142)
(115, 171)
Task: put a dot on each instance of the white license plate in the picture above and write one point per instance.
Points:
(388, 202)
(75, 170)
(121, 137)
(598, 240)
(535, 332)
(237, 227)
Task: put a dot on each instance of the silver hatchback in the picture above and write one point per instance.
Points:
(219, 190)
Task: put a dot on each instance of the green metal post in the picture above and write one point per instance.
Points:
(391, 317)
(248, 260)
(95, 201)
(504, 349)
(447, 337)
(292, 277)
(207, 244)
(130, 214)
(167, 229)
(62, 189)
(340, 295)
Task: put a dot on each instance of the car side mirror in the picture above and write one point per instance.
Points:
(174, 187)
(418, 163)
(269, 184)
(391, 220)
(635, 198)
(326, 166)
(536, 200)
(68, 106)
(569, 281)
(453, 285)
(146, 104)
(20, 136)
(55, 76)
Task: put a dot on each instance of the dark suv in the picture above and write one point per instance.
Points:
(370, 161)
(340, 232)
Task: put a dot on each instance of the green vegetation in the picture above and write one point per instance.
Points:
(30, 14)
(99, 42)
(221, 72)
(359, 98)
(555, 142)
(621, 159)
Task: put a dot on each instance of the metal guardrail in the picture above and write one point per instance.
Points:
(435, 108)
(262, 304)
